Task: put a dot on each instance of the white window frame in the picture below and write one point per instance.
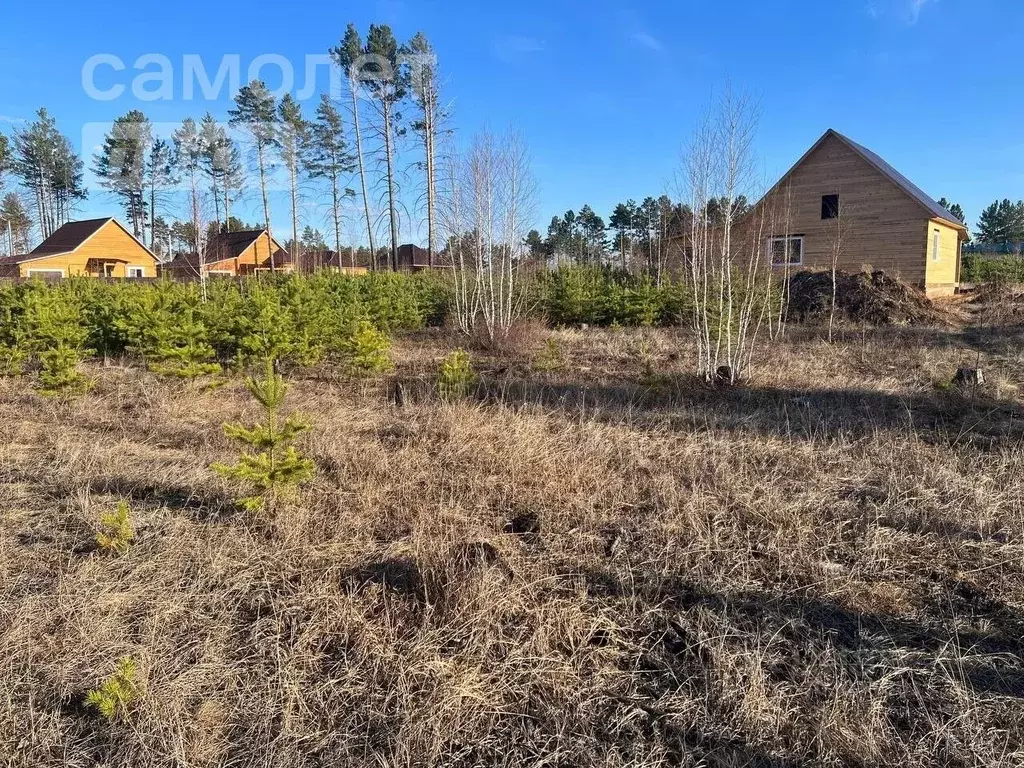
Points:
(43, 272)
(130, 268)
(936, 245)
(785, 239)
(220, 272)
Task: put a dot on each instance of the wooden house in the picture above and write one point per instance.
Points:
(94, 248)
(413, 258)
(842, 201)
(230, 254)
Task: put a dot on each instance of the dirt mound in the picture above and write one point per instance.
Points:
(998, 304)
(875, 298)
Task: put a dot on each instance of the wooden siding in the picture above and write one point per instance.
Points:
(110, 244)
(881, 226)
(943, 273)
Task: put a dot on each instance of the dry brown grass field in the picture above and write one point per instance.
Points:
(602, 563)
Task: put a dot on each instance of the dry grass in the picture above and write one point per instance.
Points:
(588, 566)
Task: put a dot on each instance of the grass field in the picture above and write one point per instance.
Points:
(601, 563)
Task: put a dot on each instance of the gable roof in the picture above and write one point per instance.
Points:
(69, 238)
(231, 245)
(934, 210)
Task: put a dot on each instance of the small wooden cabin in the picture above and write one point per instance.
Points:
(93, 248)
(842, 200)
(230, 254)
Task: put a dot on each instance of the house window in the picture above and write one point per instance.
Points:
(787, 251)
(46, 274)
(135, 272)
(830, 206)
(936, 243)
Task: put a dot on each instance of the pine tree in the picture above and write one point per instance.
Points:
(47, 166)
(188, 158)
(116, 694)
(1002, 222)
(16, 224)
(293, 141)
(275, 465)
(953, 208)
(386, 84)
(56, 334)
(116, 530)
(347, 55)
(426, 88)
(212, 136)
(159, 178)
(328, 158)
(5, 158)
(592, 229)
(160, 235)
(232, 177)
(255, 112)
(121, 165)
(623, 221)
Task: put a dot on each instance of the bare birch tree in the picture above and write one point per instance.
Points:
(489, 204)
(726, 259)
(840, 232)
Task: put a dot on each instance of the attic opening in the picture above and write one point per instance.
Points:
(830, 206)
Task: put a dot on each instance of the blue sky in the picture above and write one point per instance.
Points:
(605, 93)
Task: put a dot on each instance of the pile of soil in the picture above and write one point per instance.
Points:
(875, 298)
(998, 304)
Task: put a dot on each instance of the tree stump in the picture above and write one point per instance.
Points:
(398, 394)
(724, 376)
(969, 377)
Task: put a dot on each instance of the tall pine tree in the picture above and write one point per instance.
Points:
(255, 113)
(121, 165)
(348, 56)
(293, 140)
(50, 170)
(425, 84)
(384, 79)
(329, 159)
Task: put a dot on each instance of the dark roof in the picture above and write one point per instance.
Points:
(936, 210)
(189, 261)
(231, 245)
(68, 238)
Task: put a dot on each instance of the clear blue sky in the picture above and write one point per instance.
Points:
(605, 92)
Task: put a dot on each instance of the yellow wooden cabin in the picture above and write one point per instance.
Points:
(93, 248)
(230, 254)
(842, 201)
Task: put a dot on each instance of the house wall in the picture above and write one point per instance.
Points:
(943, 273)
(879, 226)
(111, 242)
(258, 255)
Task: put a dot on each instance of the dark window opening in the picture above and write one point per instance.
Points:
(830, 207)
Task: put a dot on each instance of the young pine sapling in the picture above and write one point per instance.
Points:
(275, 465)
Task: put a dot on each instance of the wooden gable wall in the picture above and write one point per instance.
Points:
(881, 225)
